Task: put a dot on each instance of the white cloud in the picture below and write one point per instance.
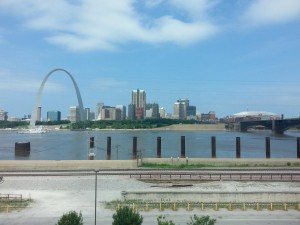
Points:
(265, 12)
(104, 25)
(195, 8)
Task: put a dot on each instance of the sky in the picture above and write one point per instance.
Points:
(226, 56)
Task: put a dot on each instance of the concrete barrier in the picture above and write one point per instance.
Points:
(17, 165)
(211, 197)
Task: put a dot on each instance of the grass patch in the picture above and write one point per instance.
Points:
(197, 166)
(14, 205)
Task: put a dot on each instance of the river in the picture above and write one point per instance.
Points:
(73, 145)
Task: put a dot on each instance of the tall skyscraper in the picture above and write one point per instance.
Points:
(139, 100)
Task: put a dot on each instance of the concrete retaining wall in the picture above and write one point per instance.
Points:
(17, 165)
(213, 197)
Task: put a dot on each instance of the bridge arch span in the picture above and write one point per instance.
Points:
(38, 96)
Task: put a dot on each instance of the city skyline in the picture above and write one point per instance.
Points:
(226, 56)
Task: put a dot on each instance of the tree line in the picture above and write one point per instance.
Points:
(103, 124)
(130, 124)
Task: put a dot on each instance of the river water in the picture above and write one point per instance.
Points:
(73, 145)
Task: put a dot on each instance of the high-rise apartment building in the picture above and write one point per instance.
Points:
(138, 99)
(53, 116)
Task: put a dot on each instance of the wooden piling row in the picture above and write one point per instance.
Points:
(183, 149)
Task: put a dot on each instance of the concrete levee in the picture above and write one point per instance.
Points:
(212, 197)
(17, 165)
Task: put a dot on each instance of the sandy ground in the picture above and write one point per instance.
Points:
(54, 196)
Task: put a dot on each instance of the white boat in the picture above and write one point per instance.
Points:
(38, 130)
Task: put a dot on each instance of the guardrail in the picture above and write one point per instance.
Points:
(8, 197)
(219, 176)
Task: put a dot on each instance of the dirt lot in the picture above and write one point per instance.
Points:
(53, 196)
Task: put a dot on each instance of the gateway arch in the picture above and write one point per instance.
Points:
(38, 97)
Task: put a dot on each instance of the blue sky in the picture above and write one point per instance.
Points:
(223, 55)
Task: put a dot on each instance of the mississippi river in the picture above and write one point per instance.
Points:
(74, 145)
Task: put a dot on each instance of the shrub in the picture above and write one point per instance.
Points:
(161, 220)
(126, 216)
(71, 218)
(203, 220)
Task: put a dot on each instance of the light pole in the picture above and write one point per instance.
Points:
(117, 148)
(96, 172)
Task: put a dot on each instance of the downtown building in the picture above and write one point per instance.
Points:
(183, 110)
(110, 113)
(74, 115)
(138, 104)
(152, 111)
(123, 111)
(53, 116)
(3, 115)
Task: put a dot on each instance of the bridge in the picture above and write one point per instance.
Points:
(277, 126)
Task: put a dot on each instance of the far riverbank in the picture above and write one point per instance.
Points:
(191, 127)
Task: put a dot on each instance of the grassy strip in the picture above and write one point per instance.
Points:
(12, 205)
(195, 166)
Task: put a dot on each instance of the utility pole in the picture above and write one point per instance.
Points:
(117, 149)
(96, 172)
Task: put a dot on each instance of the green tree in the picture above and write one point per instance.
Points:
(71, 218)
(161, 220)
(126, 216)
(203, 220)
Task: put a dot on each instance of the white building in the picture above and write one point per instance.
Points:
(255, 115)
(3, 115)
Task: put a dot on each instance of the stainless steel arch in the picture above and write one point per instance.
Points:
(38, 97)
